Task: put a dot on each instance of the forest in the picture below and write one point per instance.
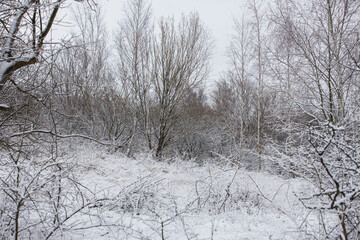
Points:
(288, 106)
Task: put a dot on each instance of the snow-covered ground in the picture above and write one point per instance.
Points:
(181, 200)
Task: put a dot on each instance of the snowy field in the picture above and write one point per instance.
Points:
(178, 199)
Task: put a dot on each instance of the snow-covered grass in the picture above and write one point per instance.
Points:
(93, 193)
(177, 199)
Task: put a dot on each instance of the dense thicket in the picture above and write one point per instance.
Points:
(300, 61)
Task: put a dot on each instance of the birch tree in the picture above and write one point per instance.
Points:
(239, 75)
(327, 32)
(258, 25)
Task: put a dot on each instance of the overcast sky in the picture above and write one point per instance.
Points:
(217, 15)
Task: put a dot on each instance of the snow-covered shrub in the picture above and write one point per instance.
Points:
(218, 194)
(331, 161)
(137, 197)
(37, 194)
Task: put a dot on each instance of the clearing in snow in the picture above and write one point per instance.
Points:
(182, 200)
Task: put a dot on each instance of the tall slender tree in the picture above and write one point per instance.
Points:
(239, 74)
(133, 41)
(256, 8)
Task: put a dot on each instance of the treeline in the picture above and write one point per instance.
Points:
(289, 101)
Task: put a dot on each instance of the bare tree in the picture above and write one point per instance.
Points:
(247, 73)
(239, 74)
(322, 45)
(35, 179)
(133, 41)
(180, 58)
(90, 56)
(284, 64)
(258, 24)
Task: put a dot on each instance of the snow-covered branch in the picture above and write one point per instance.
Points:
(15, 50)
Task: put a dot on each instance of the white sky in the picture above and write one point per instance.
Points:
(217, 15)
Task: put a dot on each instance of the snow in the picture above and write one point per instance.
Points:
(4, 106)
(182, 200)
(4, 66)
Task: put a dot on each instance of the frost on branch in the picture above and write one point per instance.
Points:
(4, 107)
(332, 162)
(25, 25)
